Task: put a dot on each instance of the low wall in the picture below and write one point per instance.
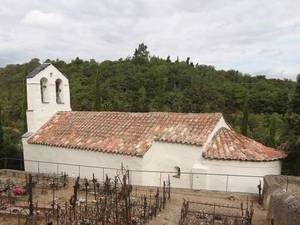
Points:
(14, 173)
(282, 199)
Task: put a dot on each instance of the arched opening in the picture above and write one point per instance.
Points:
(59, 91)
(44, 90)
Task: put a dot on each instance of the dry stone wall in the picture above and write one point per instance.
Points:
(282, 199)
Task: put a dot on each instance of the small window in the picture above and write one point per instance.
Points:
(44, 90)
(59, 91)
(177, 169)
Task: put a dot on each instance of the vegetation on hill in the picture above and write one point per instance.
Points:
(256, 106)
(291, 134)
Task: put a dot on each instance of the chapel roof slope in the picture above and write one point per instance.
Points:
(227, 144)
(37, 70)
(123, 132)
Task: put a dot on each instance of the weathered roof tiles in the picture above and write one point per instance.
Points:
(122, 132)
(230, 145)
(133, 134)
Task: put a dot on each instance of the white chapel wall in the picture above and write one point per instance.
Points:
(157, 165)
(90, 160)
(239, 183)
(165, 157)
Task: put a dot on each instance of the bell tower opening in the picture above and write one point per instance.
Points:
(59, 91)
(44, 90)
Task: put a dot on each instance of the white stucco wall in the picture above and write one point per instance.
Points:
(164, 157)
(155, 167)
(239, 168)
(160, 157)
(38, 112)
(90, 159)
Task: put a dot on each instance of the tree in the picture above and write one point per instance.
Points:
(141, 51)
(292, 144)
(272, 131)
(168, 59)
(140, 100)
(24, 105)
(244, 126)
(1, 132)
(187, 60)
(97, 105)
(295, 101)
(292, 134)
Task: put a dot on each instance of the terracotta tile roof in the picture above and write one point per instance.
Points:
(230, 145)
(122, 132)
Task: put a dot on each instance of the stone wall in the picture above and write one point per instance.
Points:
(282, 199)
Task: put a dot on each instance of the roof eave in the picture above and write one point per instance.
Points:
(244, 160)
(37, 70)
(140, 155)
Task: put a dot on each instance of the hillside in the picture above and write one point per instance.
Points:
(148, 83)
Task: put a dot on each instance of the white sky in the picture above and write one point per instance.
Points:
(254, 36)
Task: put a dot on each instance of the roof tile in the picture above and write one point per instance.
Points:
(228, 144)
(123, 132)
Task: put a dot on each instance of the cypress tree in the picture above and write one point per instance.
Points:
(272, 131)
(168, 59)
(24, 106)
(2, 145)
(187, 60)
(142, 99)
(1, 132)
(245, 119)
(97, 105)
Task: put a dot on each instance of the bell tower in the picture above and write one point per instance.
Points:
(47, 93)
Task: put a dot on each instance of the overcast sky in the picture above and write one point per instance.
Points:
(254, 36)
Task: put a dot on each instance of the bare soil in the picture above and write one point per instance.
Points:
(169, 216)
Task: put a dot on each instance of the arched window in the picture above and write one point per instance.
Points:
(59, 91)
(44, 90)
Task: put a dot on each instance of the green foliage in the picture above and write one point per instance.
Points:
(141, 51)
(272, 131)
(292, 144)
(295, 102)
(292, 134)
(148, 83)
(1, 131)
(97, 106)
(141, 54)
(244, 128)
(260, 126)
